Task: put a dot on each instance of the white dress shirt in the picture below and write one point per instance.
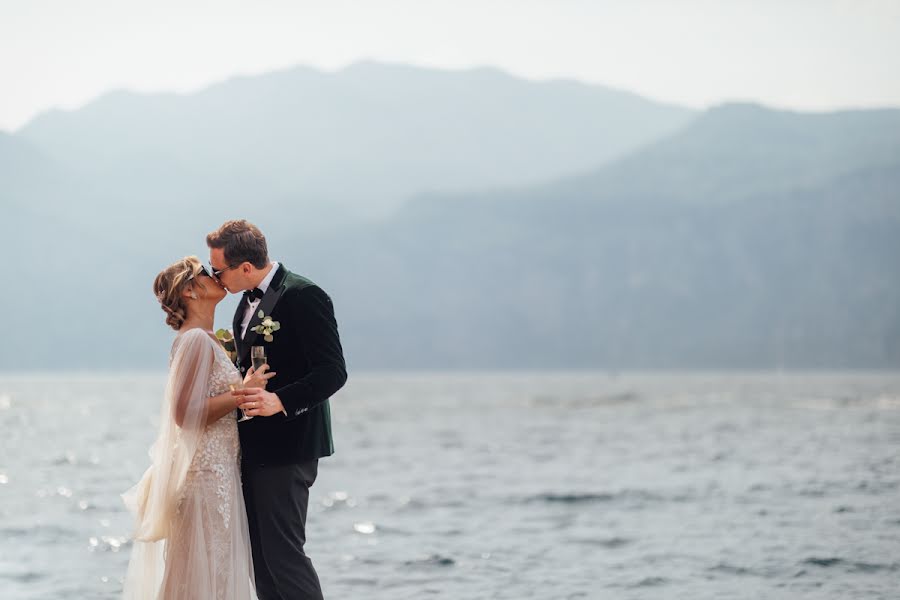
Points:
(251, 308)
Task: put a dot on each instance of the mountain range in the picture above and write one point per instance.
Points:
(466, 220)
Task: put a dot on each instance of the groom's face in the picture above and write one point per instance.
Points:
(232, 277)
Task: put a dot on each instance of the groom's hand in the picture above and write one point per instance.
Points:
(257, 402)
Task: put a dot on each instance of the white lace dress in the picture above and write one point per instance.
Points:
(206, 549)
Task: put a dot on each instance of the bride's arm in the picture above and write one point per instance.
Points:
(219, 406)
(189, 383)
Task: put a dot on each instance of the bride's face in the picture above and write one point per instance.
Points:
(206, 287)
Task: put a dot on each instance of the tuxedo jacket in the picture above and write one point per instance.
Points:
(306, 355)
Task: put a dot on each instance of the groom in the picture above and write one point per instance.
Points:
(291, 425)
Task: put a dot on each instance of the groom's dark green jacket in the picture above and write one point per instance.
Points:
(306, 355)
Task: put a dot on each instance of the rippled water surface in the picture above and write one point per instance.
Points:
(507, 486)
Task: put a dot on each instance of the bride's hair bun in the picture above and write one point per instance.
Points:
(174, 317)
(169, 286)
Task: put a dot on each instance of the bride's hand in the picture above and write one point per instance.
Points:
(258, 378)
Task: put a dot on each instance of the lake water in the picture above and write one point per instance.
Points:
(511, 486)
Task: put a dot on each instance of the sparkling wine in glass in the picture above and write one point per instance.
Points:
(237, 384)
(258, 356)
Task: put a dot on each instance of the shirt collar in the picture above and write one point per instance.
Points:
(267, 280)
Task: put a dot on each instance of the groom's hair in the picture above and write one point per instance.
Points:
(241, 242)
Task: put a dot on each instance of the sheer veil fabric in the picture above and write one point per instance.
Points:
(191, 538)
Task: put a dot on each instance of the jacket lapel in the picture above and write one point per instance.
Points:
(236, 329)
(268, 302)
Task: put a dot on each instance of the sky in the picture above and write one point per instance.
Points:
(800, 54)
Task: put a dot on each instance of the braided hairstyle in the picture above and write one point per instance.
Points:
(169, 286)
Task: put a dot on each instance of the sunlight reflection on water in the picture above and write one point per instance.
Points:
(507, 485)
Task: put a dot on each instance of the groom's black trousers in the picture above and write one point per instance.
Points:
(277, 497)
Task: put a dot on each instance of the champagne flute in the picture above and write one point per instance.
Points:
(258, 356)
(235, 384)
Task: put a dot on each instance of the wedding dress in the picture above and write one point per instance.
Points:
(191, 540)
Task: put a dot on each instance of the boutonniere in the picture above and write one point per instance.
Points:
(267, 327)
(226, 339)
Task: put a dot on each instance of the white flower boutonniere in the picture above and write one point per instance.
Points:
(267, 327)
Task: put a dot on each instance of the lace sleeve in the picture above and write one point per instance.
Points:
(190, 367)
(182, 423)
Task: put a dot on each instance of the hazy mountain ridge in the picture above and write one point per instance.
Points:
(746, 238)
(357, 141)
(616, 271)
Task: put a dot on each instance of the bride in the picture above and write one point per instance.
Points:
(191, 539)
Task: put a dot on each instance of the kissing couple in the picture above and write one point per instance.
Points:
(221, 511)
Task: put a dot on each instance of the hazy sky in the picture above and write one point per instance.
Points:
(804, 54)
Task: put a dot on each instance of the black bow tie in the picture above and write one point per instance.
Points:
(254, 294)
